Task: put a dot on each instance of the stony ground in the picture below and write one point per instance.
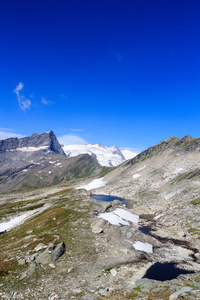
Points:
(99, 261)
(96, 264)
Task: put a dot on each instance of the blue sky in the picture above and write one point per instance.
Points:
(122, 72)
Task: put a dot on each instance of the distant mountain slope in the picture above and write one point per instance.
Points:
(39, 160)
(110, 157)
(163, 173)
(37, 141)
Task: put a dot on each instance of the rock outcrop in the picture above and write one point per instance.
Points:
(46, 140)
(39, 160)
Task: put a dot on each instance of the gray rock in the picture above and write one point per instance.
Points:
(97, 227)
(33, 257)
(40, 247)
(48, 257)
(51, 247)
(59, 250)
(32, 268)
(115, 202)
(105, 206)
(175, 295)
(44, 257)
(129, 235)
(113, 272)
(22, 262)
(29, 231)
(97, 230)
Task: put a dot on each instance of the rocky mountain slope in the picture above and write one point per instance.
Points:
(110, 157)
(38, 161)
(108, 249)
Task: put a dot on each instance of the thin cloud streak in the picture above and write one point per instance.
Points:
(63, 96)
(45, 101)
(23, 102)
(6, 135)
(6, 129)
(77, 130)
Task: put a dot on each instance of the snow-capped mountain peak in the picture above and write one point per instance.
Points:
(110, 157)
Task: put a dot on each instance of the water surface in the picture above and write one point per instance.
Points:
(108, 198)
(166, 271)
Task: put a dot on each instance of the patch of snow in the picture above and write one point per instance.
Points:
(58, 164)
(178, 170)
(7, 225)
(141, 168)
(96, 183)
(136, 176)
(113, 219)
(119, 217)
(31, 149)
(145, 247)
(52, 162)
(49, 172)
(128, 154)
(127, 215)
(25, 170)
(110, 157)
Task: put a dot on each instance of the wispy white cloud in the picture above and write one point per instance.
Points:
(63, 96)
(6, 129)
(71, 140)
(6, 135)
(77, 130)
(45, 101)
(24, 103)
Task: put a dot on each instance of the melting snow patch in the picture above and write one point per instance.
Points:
(126, 215)
(52, 162)
(31, 149)
(145, 247)
(136, 176)
(113, 219)
(119, 217)
(141, 168)
(96, 183)
(178, 170)
(49, 172)
(7, 225)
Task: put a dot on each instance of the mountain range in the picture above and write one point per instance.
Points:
(109, 157)
(39, 160)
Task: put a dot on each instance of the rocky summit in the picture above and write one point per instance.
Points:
(57, 242)
(39, 160)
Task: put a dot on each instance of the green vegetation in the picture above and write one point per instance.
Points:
(19, 206)
(190, 143)
(64, 221)
(195, 201)
(188, 175)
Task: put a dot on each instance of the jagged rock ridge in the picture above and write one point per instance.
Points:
(47, 140)
(39, 160)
